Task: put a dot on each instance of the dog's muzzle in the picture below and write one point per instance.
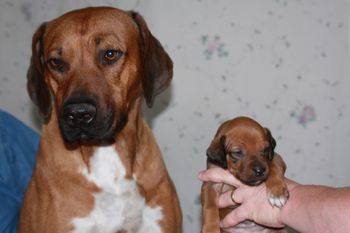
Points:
(85, 122)
(258, 174)
(79, 115)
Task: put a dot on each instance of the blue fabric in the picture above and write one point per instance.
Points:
(18, 146)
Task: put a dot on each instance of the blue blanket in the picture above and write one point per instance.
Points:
(18, 146)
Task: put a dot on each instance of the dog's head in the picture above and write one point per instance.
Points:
(243, 147)
(90, 66)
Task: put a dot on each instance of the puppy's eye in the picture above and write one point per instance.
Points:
(236, 153)
(110, 56)
(56, 64)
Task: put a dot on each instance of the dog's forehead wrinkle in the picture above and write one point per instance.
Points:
(57, 51)
(85, 23)
(107, 40)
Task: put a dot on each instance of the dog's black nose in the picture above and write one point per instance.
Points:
(79, 114)
(259, 170)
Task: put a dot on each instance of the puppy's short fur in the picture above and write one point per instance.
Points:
(246, 149)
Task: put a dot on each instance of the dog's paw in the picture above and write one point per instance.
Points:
(278, 196)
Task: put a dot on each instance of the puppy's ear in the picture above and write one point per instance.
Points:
(157, 67)
(37, 88)
(216, 153)
(272, 143)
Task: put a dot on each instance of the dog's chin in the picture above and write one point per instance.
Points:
(75, 137)
(251, 181)
(103, 135)
(254, 182)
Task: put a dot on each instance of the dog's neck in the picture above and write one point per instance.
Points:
(139, 151)
(129, 140)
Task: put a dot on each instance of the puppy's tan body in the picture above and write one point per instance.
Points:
(246, 149)
(98, 168)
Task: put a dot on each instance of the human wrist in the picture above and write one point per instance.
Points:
(284, 213)
(304, 205)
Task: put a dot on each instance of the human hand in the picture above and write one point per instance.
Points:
(253, 200)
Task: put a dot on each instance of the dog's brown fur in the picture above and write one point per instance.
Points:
(246, 149)
(106, 59)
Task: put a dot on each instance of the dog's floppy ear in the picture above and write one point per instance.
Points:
(157, 67)
(272, 143)
(216, 153)
(37, 88)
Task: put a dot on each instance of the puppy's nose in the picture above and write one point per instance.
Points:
(79, 114)
(259, 170)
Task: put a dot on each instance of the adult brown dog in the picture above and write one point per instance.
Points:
(98, 168)
(246, 149)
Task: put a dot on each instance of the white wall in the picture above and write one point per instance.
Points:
(285, 63)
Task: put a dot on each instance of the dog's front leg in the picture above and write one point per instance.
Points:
(210, 210)
(276, 187)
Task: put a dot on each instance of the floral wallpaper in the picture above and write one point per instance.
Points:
(284, 63)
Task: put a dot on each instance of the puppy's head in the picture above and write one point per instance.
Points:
(90, 65)
(245, 148)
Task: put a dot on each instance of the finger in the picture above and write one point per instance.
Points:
(233, 218)
(229, 198)
(219, 175)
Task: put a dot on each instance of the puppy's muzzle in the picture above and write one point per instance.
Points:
(256, 175)
(259, 170)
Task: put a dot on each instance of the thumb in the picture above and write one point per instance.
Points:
(219, 175)
(233, 218)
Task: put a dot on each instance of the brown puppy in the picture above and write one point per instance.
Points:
(98, 167)
(246, 149)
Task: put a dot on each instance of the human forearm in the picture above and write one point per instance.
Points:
(313, 208)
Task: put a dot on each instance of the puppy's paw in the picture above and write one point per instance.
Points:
(278, 195)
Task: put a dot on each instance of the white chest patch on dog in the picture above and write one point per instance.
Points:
(119, 206)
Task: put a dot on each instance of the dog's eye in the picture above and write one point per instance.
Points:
(110, 56)
(237, 153)
(56, 64)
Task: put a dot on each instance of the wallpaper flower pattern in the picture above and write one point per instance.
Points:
(284, 63)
